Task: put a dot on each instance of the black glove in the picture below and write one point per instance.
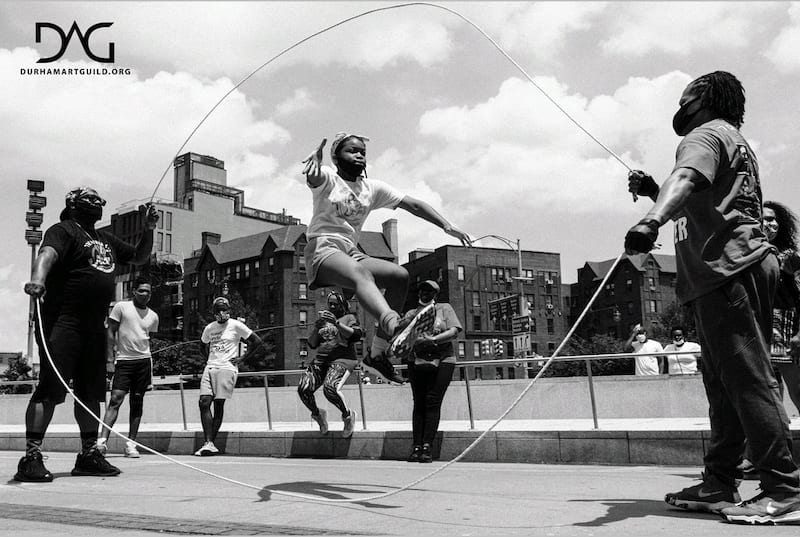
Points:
(642, 184)
(641, 237)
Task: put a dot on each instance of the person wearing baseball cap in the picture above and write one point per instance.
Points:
(430, 369)
(222, 337)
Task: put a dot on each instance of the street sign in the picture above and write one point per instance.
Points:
(504, 307)
(33, 236)
(522, 343)
(36, 202)
(35, 185)
(34, 219)
(520, 324)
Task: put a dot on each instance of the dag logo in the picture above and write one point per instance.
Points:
(67, 37)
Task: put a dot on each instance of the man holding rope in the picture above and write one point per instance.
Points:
(727, 272)
(74, 276)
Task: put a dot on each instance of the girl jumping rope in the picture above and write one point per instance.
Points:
(343, 198)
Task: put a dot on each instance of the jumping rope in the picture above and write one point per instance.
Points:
(513, 404)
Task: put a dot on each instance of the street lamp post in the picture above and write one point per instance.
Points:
(514, 245)
(521, 323)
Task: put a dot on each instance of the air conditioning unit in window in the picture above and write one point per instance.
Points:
(548, 282)
(549, 306)
(652, 287)
(303, 353)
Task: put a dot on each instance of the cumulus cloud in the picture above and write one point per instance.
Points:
(782, 52)
(542, 28)
(517, 140)
(300, 101)
(640, 28)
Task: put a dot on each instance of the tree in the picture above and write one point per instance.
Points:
(596, 344)
(18, 369)
(675, 314)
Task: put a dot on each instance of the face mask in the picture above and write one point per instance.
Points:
(426, 298)
(679, 341)
(682, 118)
(222, 316)
(351, 168)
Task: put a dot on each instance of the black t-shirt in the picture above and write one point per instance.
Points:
(80, 285)
(787, 294)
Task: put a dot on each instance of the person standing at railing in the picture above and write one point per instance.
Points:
(728, 272)
(73, 274)
(222, 336)
(644, 363)
(128, 354)
(682, 364)
(430, 369)
(334, 335)
(781, 227)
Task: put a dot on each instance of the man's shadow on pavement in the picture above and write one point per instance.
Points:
(328, 491)
(624, 509)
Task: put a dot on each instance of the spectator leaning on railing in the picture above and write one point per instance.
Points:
(639, 344)
(682, 364)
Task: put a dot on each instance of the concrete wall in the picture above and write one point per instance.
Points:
(551, 398)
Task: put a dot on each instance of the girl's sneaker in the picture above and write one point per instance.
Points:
(403, 342)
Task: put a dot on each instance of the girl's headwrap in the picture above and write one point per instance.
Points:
(337, 141)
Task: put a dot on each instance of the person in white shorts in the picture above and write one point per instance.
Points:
(129, 326)
(222, 336)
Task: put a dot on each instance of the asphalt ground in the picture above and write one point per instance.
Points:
(153, 495)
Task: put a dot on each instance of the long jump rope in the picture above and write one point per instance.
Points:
(499, 419)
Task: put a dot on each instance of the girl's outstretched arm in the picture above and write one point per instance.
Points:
(313, 166)
(422, 210)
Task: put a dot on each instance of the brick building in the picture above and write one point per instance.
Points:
(268, 270)
(472, 277)
(639, 292)
(202, 203)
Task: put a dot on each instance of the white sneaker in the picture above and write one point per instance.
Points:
(101, 447)
(131, 451)
(349, 424)
(322, 420)
(206, 450)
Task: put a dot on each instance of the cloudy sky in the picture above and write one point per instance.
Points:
(450, 119)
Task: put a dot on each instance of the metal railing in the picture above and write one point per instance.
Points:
(466, 365)
(588, 358)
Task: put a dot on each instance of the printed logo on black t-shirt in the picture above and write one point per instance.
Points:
(101, 256)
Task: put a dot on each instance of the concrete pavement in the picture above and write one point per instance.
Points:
(153, 495)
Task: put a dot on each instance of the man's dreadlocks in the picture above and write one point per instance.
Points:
(723, 93)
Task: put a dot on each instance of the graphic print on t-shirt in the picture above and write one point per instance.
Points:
(101, 256)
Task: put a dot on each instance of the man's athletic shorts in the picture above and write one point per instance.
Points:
(218, 383)
(134, 376)
(80, 356)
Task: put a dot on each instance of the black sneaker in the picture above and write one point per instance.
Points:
(31, 469)
(710, 496)
(382, 367)
(95, 464)
(426, 455)
(416, 452)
